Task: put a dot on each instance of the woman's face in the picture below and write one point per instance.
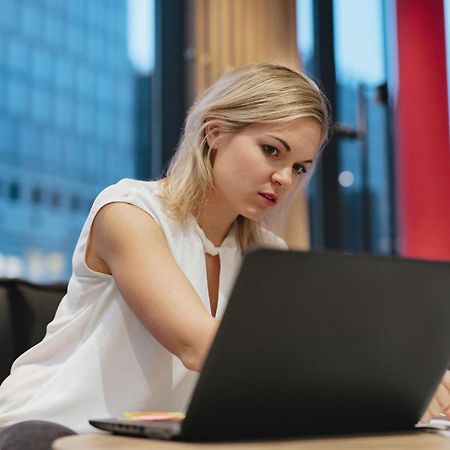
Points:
(258, 167)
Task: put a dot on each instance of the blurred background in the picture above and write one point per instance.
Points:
(93, 91)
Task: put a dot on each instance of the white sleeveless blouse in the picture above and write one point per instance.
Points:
(97, 360)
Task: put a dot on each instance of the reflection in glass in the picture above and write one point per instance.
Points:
(70, 120)
(362, 106)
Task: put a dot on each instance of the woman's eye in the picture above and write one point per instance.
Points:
(270, 150)
(300, 168)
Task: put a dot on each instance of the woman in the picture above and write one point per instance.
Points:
(155, 261)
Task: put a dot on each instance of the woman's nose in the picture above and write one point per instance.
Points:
(283, 177)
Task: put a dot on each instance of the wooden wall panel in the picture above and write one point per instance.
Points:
(230, 33)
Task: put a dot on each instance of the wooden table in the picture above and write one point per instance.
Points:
(410, 441)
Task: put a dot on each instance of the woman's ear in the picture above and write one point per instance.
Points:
(213, 132)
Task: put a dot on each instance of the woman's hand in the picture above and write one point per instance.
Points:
(440, 404)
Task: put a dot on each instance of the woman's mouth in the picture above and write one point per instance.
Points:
(269, 198)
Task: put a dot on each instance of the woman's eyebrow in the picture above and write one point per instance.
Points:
(288, 148)
(281, 141)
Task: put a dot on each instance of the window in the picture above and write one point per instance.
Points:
(68, 117)
(352, 200)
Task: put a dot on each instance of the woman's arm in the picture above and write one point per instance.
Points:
(127, 242)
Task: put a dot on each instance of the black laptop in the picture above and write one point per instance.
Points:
(318, 344)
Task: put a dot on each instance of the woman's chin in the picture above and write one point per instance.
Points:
(254, 215)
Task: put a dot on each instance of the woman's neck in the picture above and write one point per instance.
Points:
(215, 220)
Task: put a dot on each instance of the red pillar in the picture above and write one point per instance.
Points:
(423, 131)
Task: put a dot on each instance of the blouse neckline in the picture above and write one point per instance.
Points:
(209, 247)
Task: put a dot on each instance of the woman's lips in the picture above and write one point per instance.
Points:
(269, 198)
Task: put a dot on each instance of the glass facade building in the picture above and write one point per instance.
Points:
(67, 125)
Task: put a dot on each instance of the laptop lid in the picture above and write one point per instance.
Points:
(316, 344)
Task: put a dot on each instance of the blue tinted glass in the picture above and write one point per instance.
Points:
(56, 5)
(42, 64)
(117, 60)
(70, 148)
(3, 53)
(18, 93)
(54, 30)
(41, 104)
(121, 19)
(110, 22)
(18, 55)
(359, 40)
(363, 161)
(111, 162)
(7, 135)
(84, 81)
(76, 40)
(64, 111)
(54, 154)
(305, 33)
(76, 9)
(31, 20)
(3, 98)
(109, 56)
(104, 125)
(29, 143)
(99, 161)
(51, 54)
(96, 49)
(63, 147)
(124, 95)
(92, 161)
(49, 144)
(84, 119)
(89, 121)
(124, 131)
(64, 73)
(9, 130)
(79, 158)
(105, 89)
(95, 14)
(10, 14)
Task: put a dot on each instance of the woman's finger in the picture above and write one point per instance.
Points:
(442, 395)
(434, 407)
(426, 417)
(447, 413)
(446, 379)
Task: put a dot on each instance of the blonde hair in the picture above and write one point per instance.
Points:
(253, 94)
